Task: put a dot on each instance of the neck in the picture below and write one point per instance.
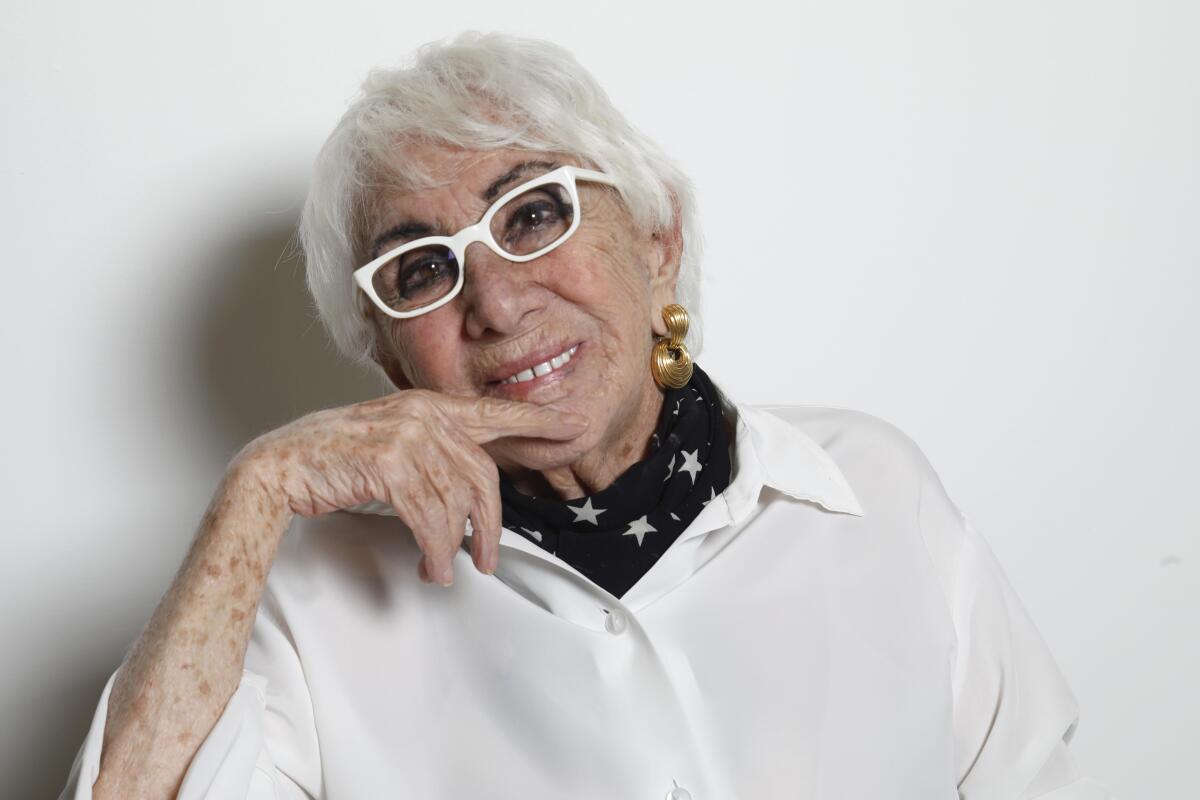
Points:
(596, 470)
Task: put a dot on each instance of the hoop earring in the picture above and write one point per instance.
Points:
(670, 362)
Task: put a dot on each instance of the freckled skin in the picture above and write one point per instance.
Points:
(606, 285)
(174, 682)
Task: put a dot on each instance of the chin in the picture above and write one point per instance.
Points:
(543, 454)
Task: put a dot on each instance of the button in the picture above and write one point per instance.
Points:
(678, 793)
(615, 621)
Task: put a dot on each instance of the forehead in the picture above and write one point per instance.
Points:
(435, 164)
(429, 173)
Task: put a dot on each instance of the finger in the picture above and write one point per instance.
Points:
(492, 532)
(419, 526)
(483, 477)
(485, 419)
(393, 498)
(457, 531)
(477, 544)
(434, 542)
(485, 519)
(451, 508)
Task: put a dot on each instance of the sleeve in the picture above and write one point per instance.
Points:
(262, 747)
(1014, 713)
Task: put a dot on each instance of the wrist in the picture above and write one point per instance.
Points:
(252, 493)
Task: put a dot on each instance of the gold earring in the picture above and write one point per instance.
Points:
(670, 362)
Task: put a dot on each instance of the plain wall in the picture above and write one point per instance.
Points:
(979, 221)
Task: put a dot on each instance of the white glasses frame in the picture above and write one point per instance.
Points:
(480, 232)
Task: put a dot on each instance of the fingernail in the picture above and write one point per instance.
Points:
(447, 576)
(579, 420)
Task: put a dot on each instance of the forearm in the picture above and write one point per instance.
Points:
(187, 663)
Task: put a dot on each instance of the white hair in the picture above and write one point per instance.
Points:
(478, 91)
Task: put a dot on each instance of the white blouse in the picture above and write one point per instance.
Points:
(828, 627)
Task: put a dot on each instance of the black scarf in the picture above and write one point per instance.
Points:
(615, 536)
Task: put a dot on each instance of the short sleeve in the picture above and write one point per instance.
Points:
(1014, 713)
(262, 747)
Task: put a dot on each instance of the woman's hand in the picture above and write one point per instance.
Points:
(418, 451)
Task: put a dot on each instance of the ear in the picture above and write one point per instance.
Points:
(666, 255)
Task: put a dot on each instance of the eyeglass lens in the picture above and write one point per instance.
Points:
(525, 224)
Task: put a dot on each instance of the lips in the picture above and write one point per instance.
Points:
(533, 374)
(542, 368)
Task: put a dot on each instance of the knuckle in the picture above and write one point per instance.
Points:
(412, 404)
(391, 463)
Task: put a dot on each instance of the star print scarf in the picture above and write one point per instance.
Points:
(615, 536)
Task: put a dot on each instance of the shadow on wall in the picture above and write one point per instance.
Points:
(250, 355)
(261, 355)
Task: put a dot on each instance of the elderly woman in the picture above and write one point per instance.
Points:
(630, 584)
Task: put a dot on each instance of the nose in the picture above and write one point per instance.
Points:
(496, 293)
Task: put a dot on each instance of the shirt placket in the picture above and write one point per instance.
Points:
(647, 675)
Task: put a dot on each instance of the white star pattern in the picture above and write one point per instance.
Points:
(712, 496)
(586, 512)
(535, 534)
(639, 528)
(670, 467)
(691, 464)
(674, 517)
(677, 402)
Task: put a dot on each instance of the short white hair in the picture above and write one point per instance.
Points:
(477, 91)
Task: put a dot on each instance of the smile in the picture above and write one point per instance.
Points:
(544, 368)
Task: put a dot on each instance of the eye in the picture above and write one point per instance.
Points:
(533, 220)
(533, 216)
(419, 276)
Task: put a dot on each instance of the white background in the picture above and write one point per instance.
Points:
(979, 221)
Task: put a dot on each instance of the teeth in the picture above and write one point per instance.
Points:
(544, 368)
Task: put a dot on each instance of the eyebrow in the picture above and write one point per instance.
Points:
(413, 229)
(496, 186)
(405, 230)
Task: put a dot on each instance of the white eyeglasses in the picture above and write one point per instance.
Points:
(527, 222)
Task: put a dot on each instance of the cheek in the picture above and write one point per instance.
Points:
(605, 287)
(604, 278)
(428, 348)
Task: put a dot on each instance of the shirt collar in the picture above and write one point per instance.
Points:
(777, 453)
